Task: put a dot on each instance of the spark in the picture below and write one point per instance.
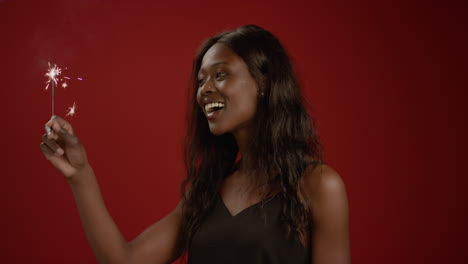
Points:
(64, 85)
(52, 74)
(79, 79)
(71, 110)
(65, 77)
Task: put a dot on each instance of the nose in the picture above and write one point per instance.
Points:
(208, 87)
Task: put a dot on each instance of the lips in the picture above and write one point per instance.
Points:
(213, 115)
(214, 106)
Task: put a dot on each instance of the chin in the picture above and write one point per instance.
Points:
(216, 130)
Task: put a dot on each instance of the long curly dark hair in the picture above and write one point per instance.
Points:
(284, 137)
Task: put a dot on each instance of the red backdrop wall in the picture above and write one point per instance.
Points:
(387, 83)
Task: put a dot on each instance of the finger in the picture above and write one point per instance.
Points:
(53, 136)
(58, 162)
(56, 122)
(46, 150)
(47, 129)
(53, 146)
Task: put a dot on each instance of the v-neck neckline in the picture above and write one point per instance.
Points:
(264, 201)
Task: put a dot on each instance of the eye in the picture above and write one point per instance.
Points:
(220, 76)
(201, 82)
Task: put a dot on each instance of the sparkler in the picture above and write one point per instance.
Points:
(52, 74)
(53, 79)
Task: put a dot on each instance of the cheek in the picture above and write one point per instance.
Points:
(244, 106)
(198, 98)
(241, 99)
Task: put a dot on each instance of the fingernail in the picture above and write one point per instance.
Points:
(47, 129)
(59, 152)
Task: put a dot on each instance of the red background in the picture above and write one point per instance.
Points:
(387, 83)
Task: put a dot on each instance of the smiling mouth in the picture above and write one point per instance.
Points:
(212, 107)
(213, 116)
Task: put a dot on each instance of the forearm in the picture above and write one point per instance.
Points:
(104, 237)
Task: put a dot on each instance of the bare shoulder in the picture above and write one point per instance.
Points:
(325, 187)
(330, 214)
(322, 179)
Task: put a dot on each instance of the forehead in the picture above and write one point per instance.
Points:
(219, 54)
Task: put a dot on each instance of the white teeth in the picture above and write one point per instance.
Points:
(209, 107)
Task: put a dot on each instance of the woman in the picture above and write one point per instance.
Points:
(256, 189)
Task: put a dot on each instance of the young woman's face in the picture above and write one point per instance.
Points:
(227, 92)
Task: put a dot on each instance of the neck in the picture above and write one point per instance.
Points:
(243, 138)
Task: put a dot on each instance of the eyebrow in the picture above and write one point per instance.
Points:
(213, 65)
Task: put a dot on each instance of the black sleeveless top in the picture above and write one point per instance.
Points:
(247, 237)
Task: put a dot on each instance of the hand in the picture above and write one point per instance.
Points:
(63, 149)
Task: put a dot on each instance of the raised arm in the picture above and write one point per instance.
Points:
(157, 244)
(329, 207)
